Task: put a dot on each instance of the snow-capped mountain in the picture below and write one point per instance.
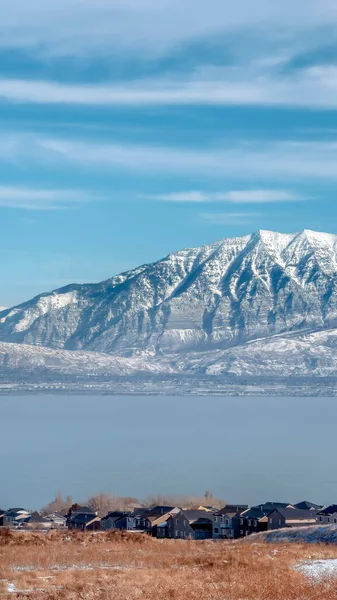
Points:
(195, 300)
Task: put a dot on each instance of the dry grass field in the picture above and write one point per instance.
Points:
(62, 566)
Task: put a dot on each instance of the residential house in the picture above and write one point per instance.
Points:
(2, 514)
(158, 523)
(223, 521)
(115, 520)
(16, 517)
(83, 518)
(190, 524)
(135, 520)
(327, 515)
(57, 521)
(149, 519)
(291, 517)
(253, 520)
(142, 519)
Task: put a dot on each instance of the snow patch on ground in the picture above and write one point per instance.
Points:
(319, 569)
(80, 567)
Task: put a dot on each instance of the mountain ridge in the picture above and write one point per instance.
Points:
(200, 299)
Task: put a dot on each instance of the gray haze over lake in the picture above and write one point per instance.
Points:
(243, 449)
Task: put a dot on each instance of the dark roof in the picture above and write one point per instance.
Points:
(195, 515)
(328, 510)
(83, 510)
(82, 518)
(295, 513)
(272, 505)
(305, 505)
(15, 512)
(254, 513)
(115, 514)
(37, 519)
(231, 508)
(161, 510)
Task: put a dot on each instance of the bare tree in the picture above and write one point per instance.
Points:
(126, 503)
(58, 505)
(102, 503)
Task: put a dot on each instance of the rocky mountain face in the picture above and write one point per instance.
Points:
(196, 300)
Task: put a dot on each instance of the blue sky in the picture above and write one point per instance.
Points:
(133, 128)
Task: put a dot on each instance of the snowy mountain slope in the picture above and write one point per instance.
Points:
(30, 359)
(282, 358)
(199, 299)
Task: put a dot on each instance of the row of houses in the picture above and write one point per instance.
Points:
(20, 518)
(203, 522)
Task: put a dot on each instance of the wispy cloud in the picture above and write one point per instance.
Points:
(234, 196)
(244, 160)
(240, 218)
(311, 87)
(40, 199)
(241, 160)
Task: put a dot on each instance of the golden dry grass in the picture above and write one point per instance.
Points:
(58, 566)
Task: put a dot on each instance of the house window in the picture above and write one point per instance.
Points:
(227, 521)
(321, 518)
(241, 531)
(185, 522)
(177, 521)
(216, 530)
(215, 519)
(328, 519)
(255, 523)
(270, 520)
(279, 522)
(241, 521)
(249, 522)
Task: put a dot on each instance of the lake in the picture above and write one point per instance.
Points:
(244, 449)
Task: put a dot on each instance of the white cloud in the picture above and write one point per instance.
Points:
(40, 199)
(241, 161)
(86, 26)
(228, 218)
(234, 196)
(242, 85)
(311, 87)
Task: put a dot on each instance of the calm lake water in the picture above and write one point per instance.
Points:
(245, 450)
